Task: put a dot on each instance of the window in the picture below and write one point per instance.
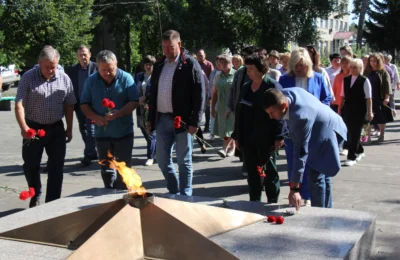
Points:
(325, 23)
(321, 23)
(345, 26)
(341, 25)
(330, 23)
(337, 24)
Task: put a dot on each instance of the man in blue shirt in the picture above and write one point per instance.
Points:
(114, 129)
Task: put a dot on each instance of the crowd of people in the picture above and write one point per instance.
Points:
(256, 103)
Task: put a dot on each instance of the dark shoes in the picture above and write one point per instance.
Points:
(34, 202)
(86, 161)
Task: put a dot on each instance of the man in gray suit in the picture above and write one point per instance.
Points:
(316, 132)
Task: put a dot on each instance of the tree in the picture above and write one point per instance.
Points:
(29, 25)
(360, 8)
(215, 24)
(382, 30)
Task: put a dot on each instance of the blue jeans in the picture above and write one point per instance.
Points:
(121, 149)
(166, 138)
(320, 189)
(304, 191)
(151, 142)
(87, 132)
(321, 185)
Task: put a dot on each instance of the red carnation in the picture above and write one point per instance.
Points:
(30, 133)
(105, 102)
(92, 122)
(226, 138)
(260, 172)
(177, 122)
(280, 220)
(24, 195)
(41, 133)
(271, 219)
(111, 105)
(31, 192)
(177, 125)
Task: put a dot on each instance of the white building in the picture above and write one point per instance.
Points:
(334, 33)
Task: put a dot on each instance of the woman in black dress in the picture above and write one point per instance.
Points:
(381, 90)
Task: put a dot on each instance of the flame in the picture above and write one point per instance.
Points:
(129, 175)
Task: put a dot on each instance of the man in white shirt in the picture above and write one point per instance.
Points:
(177, 90)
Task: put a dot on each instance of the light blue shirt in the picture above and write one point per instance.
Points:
(121, 91)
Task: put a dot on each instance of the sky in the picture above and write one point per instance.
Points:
(351, 7)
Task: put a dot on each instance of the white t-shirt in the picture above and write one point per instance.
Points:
(367, 87)
(302, 82)
(332, 73)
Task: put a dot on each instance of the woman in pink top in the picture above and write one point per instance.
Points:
(338, 84)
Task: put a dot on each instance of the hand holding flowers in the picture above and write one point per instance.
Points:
(178, 123)
(31, 134)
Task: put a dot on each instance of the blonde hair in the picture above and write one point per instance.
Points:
(357, 63)
(300, 54)
(238, 58)
(285, 55)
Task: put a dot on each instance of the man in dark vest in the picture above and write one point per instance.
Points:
(78, 74)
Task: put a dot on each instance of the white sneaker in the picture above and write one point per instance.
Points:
(222, 153)
(149, 162)
(360, 156)
(230, 153)
(245, 174)
(349, 162)
(307, 203)
(344, 152)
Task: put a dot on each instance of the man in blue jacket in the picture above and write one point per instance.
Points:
(177, 89)
(316, 131)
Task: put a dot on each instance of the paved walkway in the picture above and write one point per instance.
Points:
(372, 185)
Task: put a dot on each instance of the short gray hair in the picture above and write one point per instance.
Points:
(388, 57)
(49, 53)
(225, 58)
(106, 56)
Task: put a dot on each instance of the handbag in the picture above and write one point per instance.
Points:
(387, 113)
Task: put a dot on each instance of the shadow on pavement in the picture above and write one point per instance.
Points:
(9, 212)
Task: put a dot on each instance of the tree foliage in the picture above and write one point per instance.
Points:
(136, 26)
(29, 25)
(382, 30)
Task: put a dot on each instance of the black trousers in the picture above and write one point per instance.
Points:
(32, 151)
(354, 119)
(207, 112)
(271, 182)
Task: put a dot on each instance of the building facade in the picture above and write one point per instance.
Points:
(334, 32)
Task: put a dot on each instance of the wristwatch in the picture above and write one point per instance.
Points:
(295, 189)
